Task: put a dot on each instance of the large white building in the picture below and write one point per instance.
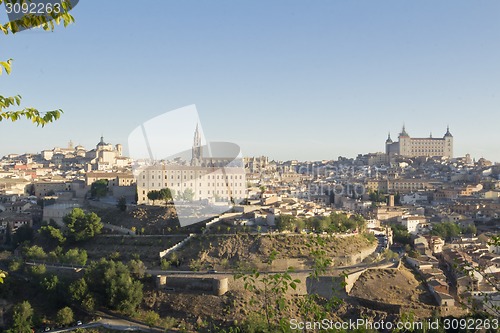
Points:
(414, 147)
(212, 179)
(212, 183)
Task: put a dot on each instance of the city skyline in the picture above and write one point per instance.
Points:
(286, 80)
(71, 145)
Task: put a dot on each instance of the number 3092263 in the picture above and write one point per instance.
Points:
(33, 8)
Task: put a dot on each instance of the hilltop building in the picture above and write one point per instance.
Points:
(416, 147)
(207, 178)
(105, 156)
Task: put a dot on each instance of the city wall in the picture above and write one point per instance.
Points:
(355, 258)
(216, 286)
(184, 241)
(176, 246)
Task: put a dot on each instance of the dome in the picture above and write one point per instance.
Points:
(102, 143)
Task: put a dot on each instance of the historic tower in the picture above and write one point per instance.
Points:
(448, 143)
(197, 149)
(404, 143)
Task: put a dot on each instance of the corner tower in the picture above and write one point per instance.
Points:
(404, 143)
(448, 143)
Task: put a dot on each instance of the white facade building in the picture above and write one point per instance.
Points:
(212, 179)
(411, 223)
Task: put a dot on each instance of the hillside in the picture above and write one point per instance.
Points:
(399, 287)
(124, 248)
(243, 251)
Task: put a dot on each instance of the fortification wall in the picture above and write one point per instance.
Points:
(354, 258)
(217, 286)
(176, 246)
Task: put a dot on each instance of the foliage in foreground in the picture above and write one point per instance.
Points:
(110, 284)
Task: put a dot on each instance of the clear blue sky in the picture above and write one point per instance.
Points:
(288, 79)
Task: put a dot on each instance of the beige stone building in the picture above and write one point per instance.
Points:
(209, 183)
(415, 147)
(209, 178)
(400, 185)
(105, 156)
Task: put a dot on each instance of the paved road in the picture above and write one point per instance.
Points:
(112, 322)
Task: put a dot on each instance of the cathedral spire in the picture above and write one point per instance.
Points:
(196, 151)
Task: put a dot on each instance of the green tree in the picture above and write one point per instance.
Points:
(82, 226)
(359, 221)
(400, 234)
(154, 195)
(49, 283)
(99, 188)
(74, 257)
(151, 318)
(52, 233)
(446, 230)
(137, 268)
(320, 224)
(64, 316)
(15, 265)
(300, 224)
(89, 302)
(285, 222)
(78, 290)
(122, 204)
(113, 286)
(37, 270)
(164, 264)
(34, 252)
(165, 194)
(22, 318)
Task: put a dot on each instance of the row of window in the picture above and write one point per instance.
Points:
(191, 184)
(406, 185)
(191, 177)
(426, 150)
(208, 193)
(224, 198)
